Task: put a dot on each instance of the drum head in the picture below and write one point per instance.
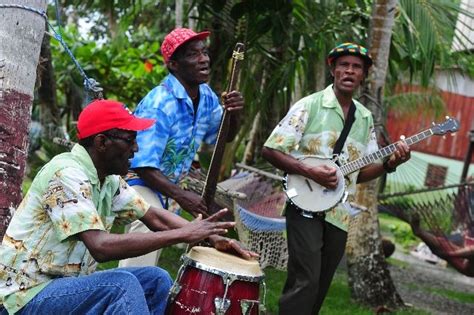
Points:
(223, 262)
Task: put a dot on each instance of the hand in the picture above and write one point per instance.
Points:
(192, 203)
(231, 246)
(200, 229)
(233, 101)
(401, 155)
(324, 175)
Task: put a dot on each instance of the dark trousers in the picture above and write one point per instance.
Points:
(315, 249)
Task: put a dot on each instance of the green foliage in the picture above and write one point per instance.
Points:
(36, 160)
(400, 231)
(125, 74)
(422, 39)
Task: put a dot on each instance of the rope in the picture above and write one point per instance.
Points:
(90, 84)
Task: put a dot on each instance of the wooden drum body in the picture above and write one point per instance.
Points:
(213, 282)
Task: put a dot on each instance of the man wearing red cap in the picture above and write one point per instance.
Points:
(316, 240)
(62, 228)
(187, 113)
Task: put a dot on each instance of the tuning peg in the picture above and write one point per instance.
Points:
(447, 117)
(433, 123)
(402, 137)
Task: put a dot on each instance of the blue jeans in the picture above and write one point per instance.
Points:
(139, 290)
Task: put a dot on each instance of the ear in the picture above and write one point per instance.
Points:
(100, 143)
(172, 65)
(331, 70)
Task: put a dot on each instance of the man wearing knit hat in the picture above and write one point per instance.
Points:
(61, 229)
(316, 240)
(187, 114)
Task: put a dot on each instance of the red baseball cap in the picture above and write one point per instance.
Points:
(103, 115)
(176, 38)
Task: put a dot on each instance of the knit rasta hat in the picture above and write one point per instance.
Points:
(349, 49)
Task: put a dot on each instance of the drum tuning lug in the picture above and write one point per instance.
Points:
(222, 305)
(174, 291)
(247, 306)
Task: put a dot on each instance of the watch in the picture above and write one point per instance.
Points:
(387, 168)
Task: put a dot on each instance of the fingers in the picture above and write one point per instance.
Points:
(402, 153)
(233, 101)
(201, 211)
(198, 218)
(218, 215)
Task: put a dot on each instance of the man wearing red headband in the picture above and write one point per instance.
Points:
(187, 114)
(62, 228)
(316, 240)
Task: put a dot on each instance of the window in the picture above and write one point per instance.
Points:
(436, 175)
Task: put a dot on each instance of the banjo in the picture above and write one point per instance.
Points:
(310, 196)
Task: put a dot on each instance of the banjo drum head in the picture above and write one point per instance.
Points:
(308, 195)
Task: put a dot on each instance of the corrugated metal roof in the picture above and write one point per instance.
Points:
(453, 146)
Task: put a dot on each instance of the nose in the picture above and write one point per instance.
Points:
(135, 146)
(349, 69)
(204, 57)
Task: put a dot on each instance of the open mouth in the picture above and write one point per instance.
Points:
(348, 81)
(204, 71)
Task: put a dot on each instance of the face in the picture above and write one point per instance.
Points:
(348, 73)
(121, 148)
(192, 65)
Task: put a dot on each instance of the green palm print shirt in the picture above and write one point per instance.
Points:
(312, 127)
(65, 198)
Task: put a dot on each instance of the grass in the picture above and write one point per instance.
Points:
(450, 294)
(338, 300)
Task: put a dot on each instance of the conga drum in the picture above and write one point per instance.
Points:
(213, 282)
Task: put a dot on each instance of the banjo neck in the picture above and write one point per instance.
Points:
(212, 177)
(359, 163)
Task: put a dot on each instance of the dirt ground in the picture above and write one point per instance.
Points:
(414, 280)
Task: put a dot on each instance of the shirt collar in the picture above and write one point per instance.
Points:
(330, 101)
(82, 156)
(176, 87)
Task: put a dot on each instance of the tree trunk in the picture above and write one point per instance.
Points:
(250, 146)
(47, 98)
(369, 277)
(178, 11)
(21, 33)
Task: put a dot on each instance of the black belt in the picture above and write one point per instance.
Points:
(309, 214)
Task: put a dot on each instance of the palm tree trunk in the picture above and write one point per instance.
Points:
(47, 98)
(21, 33)
(369, 277)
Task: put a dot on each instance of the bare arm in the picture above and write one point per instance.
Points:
(105, 246)
(188, 200)
(323, 175)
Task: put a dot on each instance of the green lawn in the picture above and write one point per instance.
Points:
(337, 302)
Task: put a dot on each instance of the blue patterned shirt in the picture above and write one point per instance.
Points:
(171, 143)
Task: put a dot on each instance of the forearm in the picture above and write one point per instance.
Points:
(162, 220)
(108, 247)
(370, 172)
(159, 182)
(284, 162)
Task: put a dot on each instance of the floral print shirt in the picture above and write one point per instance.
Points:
(312, 127)
(171, 144)
(41, 241)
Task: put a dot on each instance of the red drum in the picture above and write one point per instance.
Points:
(213, 282)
